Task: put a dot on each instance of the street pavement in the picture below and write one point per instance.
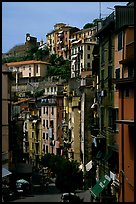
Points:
(50, 195)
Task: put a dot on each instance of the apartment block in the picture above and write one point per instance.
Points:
(27, 74)
(58, 41)
(6, 115)
(51, 118)
(82, 44)
(124, 81)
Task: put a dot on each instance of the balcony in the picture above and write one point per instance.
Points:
(48, 101)
(129, 56)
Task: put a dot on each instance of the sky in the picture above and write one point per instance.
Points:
(39, 18)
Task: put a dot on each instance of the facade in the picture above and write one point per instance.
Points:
(51, 118)
(124, 80)
(71, 122)
(27, 73)
(107, 155)
(82, 44)
(58, 41)
(6, 114)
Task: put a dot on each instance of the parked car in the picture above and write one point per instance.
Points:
(22, 186)
(70, 197)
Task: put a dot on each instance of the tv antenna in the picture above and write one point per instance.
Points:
(100, 10)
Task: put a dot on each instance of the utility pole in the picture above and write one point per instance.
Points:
(100, 10)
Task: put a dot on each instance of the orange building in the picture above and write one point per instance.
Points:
(124, 80)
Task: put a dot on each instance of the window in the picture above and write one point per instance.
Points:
(88, 48)
(88, 65)
(29, 74)
(102, 118)
(110, 48)
(110, 71)
(32, 125)
(52, 123)
(110, 118)
(52, 112)
(29, 67)
(36, 68)
(102, 54)
(120, 38)
(47, 110)
(102, 79)
(117, 72)
(32, 134)
(116, 113)
(126, 92)
(46, 148)
(88, 56)
(72, 51)
(43, 123)
(130, 71)
(44, 110)
(44, 135)
(47, 123)
(54, 89)
(51, 89)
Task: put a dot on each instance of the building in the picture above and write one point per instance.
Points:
(27, 73)
(124, 81)
(20, 50)
(6, 115)
(108, 101)
(51, 118)
(71, 120)
(82, 44)
(58, 41)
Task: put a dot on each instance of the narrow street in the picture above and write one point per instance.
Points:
(52, 195)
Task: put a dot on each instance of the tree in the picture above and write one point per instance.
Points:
(59, 67)
(88, 25)
(68, 175)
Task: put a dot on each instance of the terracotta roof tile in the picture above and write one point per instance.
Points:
(26, 62)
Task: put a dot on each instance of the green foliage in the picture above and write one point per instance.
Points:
(60, 67)
(68, 175)
(32, 54)
(88, 25)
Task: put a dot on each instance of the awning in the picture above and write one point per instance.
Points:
(88, 166)
(100, 185)
(22, 168)
(77, 41)
(73, 56)
(34, 121)
(127, 122)
(5, 172)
